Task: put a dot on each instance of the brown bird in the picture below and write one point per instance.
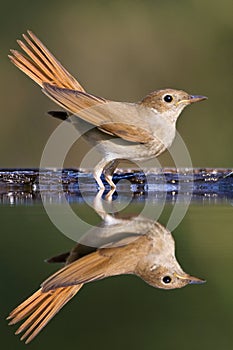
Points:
(135, 245)
(119, 130)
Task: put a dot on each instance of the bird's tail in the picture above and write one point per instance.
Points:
(39, 309)
(40, 65)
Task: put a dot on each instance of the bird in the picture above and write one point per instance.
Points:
(119, 130)
(119, 245)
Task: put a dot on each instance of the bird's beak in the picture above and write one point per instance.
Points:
(192, 99)
(196, 98)
(190, 279)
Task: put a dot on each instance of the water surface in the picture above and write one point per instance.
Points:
(124, 312)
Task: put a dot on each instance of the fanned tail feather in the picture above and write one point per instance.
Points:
(40, 65)
(40, 308)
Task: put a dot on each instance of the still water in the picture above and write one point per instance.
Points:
(122, 311)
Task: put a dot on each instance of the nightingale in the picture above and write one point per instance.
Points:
(119, 130)
(119, 245)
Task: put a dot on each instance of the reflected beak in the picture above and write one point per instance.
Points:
(190, 279)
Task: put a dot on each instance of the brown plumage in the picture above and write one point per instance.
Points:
(145, 129)
(61, 86)
(42, 66)
(40, 308)
(149, 256)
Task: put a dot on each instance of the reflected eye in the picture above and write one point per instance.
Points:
(168, 98)
(167, 279)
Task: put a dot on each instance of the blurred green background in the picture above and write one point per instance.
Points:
(123, 50)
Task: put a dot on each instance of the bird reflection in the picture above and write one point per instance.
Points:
(119, 245)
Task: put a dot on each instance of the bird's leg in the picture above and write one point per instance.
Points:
(107, 167)
(108, 172)
(99, 168)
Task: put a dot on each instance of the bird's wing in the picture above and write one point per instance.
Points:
(125, 120)
(102, 263)
(40, 65)
(39, 309)
(86, 269)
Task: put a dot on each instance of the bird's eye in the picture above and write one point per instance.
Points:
(166, 279)
(168, 98)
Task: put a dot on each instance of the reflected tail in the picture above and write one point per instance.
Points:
(39, 309)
